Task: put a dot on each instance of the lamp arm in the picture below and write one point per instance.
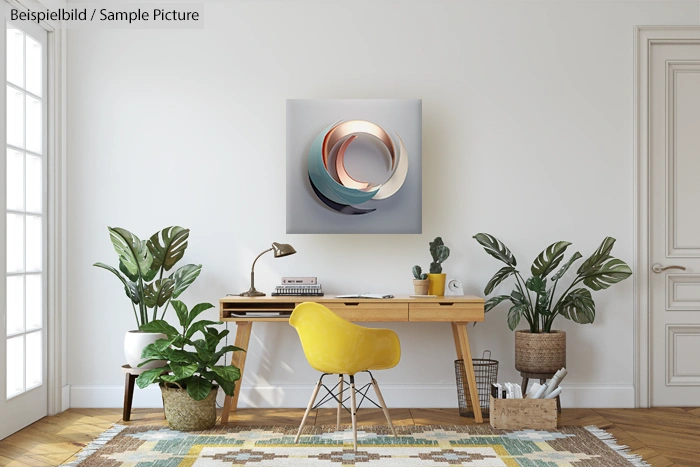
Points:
(252, 268)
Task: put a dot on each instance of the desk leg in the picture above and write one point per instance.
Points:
(238, 360)
(466, 353)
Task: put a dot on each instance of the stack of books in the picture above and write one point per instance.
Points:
(298, 287)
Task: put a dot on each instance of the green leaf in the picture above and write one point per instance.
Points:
(183, 356)
(168, 247)
(514, 316)
(229, 373)
(197, 310)
(492, 302)
(170, 378)
(181, 311)
(226, 349)
(133, 253)
(184, 277)
(158, 292)
(198, 388)
(496, 248)
(183, 371)
(129, 287)
(199, 326)
(517, 298)
(149, 376)
(228, 386)
(610, 272)
(151, 351)
(549, 259)
(159, 326)
(501, 275)
(578, 306)
(162, 344)
(537, 285)
(597, 258)
(560, 273)
(203, 351)
(542, 305)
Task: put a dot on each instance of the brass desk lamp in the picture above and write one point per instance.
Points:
(280, 249)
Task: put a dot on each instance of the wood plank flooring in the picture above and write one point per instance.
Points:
(662, 436)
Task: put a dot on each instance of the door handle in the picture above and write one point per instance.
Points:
(657, 268)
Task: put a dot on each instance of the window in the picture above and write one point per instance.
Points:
(25, 211)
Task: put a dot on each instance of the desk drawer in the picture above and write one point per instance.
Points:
(353, 310)
(446, 311)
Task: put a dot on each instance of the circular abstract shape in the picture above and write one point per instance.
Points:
(341, 194)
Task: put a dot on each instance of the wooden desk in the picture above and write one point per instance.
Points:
(459, 311)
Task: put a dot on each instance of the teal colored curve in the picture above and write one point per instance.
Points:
(323, 181)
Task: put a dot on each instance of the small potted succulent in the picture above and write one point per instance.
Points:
(440, 252)
(420, 281)
(192, 376)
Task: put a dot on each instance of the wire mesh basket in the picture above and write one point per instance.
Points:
(486, 372)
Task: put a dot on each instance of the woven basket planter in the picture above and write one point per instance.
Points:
(186, 414)
(540, 352)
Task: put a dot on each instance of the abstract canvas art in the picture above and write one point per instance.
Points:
(354, 166)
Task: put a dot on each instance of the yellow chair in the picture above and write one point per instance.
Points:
(335, 346)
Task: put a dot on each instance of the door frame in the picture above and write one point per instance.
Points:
(645, 37)
(56, 381)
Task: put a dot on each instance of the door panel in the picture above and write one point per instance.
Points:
(23, 363)
(674, 144)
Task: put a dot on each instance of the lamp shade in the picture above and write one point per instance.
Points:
(282, 249)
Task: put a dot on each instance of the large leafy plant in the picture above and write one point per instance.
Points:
(143, 264)
(534, 298)
(196, 369)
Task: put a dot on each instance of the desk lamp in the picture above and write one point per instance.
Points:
(280, 249)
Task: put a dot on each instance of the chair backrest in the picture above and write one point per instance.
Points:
(334, 345)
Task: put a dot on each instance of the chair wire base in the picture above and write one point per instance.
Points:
(337, 393)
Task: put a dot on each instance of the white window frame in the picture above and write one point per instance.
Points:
(55, 328)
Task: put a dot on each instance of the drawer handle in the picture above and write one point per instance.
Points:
(352, 303)
(446, 303)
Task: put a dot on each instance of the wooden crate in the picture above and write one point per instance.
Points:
(518, 414)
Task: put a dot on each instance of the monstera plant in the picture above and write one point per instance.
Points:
(143, 265)
(536, 298)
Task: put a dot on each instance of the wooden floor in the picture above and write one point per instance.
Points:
(663, 436)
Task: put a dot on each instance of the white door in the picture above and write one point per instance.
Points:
(23, 393)
(674, 153)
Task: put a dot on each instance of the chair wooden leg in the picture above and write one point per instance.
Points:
(340, 401)
(308, 409)
(353, 410)
(384, 408)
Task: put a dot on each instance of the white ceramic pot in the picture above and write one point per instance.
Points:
(134, 343)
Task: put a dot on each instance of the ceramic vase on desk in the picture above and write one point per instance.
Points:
(437, 284)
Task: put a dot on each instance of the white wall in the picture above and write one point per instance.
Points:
(527, 130)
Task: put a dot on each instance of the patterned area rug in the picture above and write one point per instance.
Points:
(152, 446)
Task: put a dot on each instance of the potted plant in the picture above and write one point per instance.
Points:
(143, 264)
(540, 349)
(439, 252)
(420, 281)
(190, 379)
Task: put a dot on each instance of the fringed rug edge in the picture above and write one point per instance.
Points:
(624, 451)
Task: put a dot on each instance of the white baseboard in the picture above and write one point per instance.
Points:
(396, 396)
(65, 398)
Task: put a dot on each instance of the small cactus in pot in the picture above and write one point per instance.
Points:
(420, 281)
(440, 252)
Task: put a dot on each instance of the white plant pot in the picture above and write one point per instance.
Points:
(135, 342)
